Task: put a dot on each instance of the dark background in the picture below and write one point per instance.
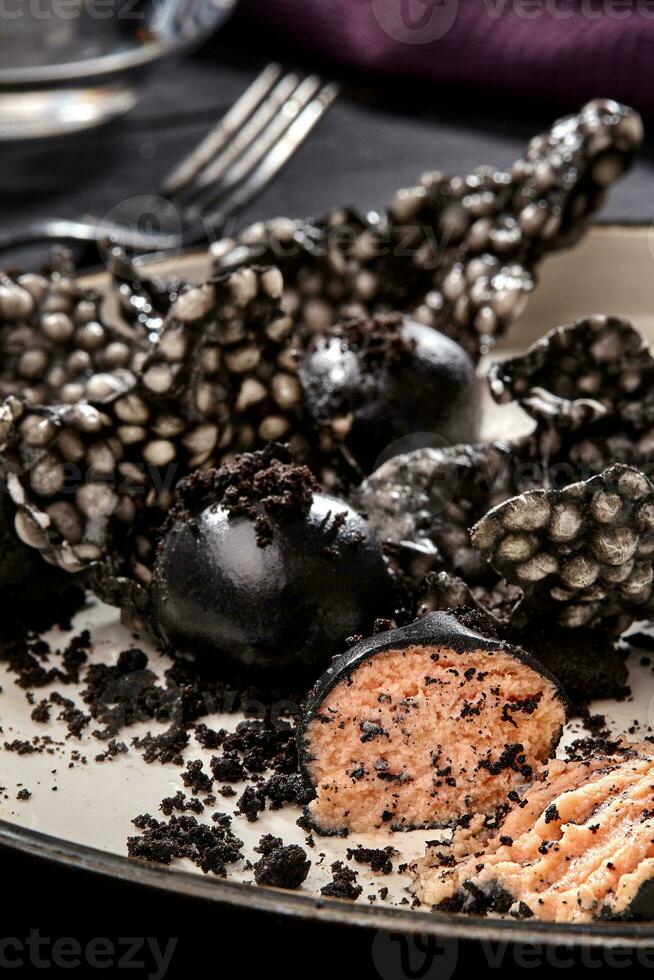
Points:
(381, 135)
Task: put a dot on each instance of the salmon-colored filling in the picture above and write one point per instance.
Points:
(581, 846)
(419, 736)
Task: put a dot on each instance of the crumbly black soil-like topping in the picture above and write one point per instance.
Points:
(583, 749)
(114, 748)
(211, 848)
(378, 858)
(378, 340)
(269, 843)
(251, 803)
(29, 658)
(343, 883)
(76, 720)
(196, 778)
(166, 747)
(123, 694)
(228, 768)
(512, 757)
(182, 803)
(282, 867)
(264, 486)
(282, 789)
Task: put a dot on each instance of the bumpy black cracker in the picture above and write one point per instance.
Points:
(55, 342)
(582, 555)
(421, 504)
(589, 388)
(221, 378)
(458, 252)
(143, 301)
(575, 374)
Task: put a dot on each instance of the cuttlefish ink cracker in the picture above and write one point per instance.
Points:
(582, 555)
(460, 253)
(598, 366)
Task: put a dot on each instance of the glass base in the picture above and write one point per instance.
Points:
(55, 111)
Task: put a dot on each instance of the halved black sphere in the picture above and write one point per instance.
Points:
(388, 385)
(218, 593)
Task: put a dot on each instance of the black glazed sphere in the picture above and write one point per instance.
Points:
(216, 592)
(422, 394)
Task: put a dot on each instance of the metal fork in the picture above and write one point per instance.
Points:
(232, 165)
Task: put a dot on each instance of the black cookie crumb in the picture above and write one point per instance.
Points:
(251, 803)
(113, 749)
(379, 859)
(164, 748)
(180, 802)
(195, 777)
(281, 789)
(268, 844)
(282, 867)
(343, 883)
(260, 485)
(210, 848)
(228, 768)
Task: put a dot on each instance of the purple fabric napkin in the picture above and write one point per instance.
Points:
(564, 51)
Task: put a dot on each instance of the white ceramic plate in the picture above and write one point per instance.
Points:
(82, 814)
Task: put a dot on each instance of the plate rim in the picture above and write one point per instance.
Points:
(323, 910)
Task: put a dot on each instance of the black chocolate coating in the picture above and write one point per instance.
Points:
(429, 398)
(436, 629)
(217, 593)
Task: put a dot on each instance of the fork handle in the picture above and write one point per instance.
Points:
(85, 232)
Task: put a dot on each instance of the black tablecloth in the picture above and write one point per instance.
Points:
(381, 135)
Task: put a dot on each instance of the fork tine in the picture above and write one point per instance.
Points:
(276, 158)
(219, 136)
(230, 169)
(250, 134)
